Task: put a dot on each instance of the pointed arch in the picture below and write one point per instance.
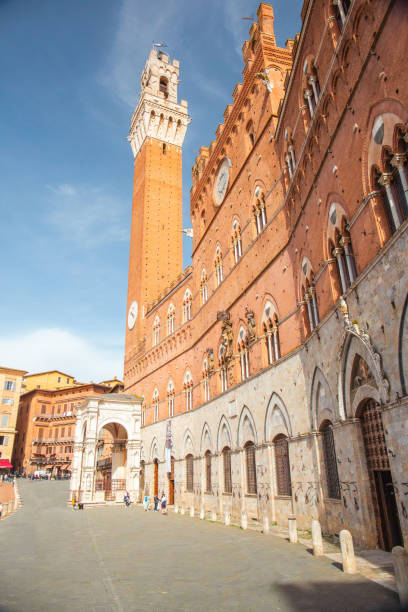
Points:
(277, 419)
(224, 436)
(246, 428)
(154, 449)
(357, 352)
(188, 444)
(206, 440)
(322, 405)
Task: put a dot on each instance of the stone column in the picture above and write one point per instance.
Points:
(398, 162)
(338, 252)
(133, 468)
(400, 561)
(309, 311)
(347, 552)
(317, 539)
(385, 180)
(351, 268)
(308, 98)
(293, 538)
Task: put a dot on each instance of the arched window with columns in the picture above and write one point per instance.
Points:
(188, 390)
(243, 352)
(170, 397)
(187, 305)
(206, 380)
(388, 152)
(171, 315)
(259, 210)
(236, 241)
(203, 287)
(218, 266)
(289, 155)
(311, 87)
(155, 402)
(311, 311)
(340, 247)
(271, 330)
(156, 331)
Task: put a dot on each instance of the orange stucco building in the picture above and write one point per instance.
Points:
(275, 367)
(46, 426)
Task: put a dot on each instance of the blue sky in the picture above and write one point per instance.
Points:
(69, 83)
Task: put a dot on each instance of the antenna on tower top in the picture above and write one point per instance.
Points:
(158, 48)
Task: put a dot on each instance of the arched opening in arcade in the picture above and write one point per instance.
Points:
(111, 461)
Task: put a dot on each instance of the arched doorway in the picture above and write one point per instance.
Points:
(156, 478)
(382, 488)
(111, 461)
(171, 484)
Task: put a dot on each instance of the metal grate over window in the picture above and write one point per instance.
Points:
(283, 480)
(250, 467)
(190, 472)
(226, 453)
(374, 438)
(208, 472)
(330, 462)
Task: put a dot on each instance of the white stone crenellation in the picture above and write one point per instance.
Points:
(158, 114)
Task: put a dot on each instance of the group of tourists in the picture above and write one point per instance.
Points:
(162, 501)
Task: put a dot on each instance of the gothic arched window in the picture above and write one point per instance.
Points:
(250, 467)
(330, 461)
(236, 241)
(170, 397)
(218, 266)
(187, 305)
(208, 488)
(190, 473)
(155, 405)
(171, 315)
(283, 480)
(243, 353)
(188, 390)
(226, 455)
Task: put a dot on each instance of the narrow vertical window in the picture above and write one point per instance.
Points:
(250, 467)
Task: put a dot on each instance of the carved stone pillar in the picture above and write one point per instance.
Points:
(338, 252)
(385, 180)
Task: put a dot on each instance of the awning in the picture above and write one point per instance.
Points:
(5, 464)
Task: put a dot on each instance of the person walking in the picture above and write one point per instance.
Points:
(1, 510)
(156, 503)
(146, 502)
(163, 504)
(126, 499)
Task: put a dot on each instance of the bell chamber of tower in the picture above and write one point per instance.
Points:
(157, 131)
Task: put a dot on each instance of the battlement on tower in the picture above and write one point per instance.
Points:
(159, 114)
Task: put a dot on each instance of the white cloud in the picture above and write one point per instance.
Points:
(87, 215)
(139, 26)
(59, 349)
(235, 11)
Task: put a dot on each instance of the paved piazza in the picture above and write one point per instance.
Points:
(54, 558)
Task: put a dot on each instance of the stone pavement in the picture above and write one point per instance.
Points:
(116, 558)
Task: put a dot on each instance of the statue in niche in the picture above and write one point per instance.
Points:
(251, 325)
(361, 373)
(210, 359)
(227, 340)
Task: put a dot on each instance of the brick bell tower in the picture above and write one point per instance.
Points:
(157, 131)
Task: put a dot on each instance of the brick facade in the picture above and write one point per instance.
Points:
(292, 320)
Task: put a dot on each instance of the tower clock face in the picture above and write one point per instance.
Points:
(221, 182)
(132, 315)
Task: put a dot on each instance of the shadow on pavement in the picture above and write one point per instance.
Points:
(336, 597)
